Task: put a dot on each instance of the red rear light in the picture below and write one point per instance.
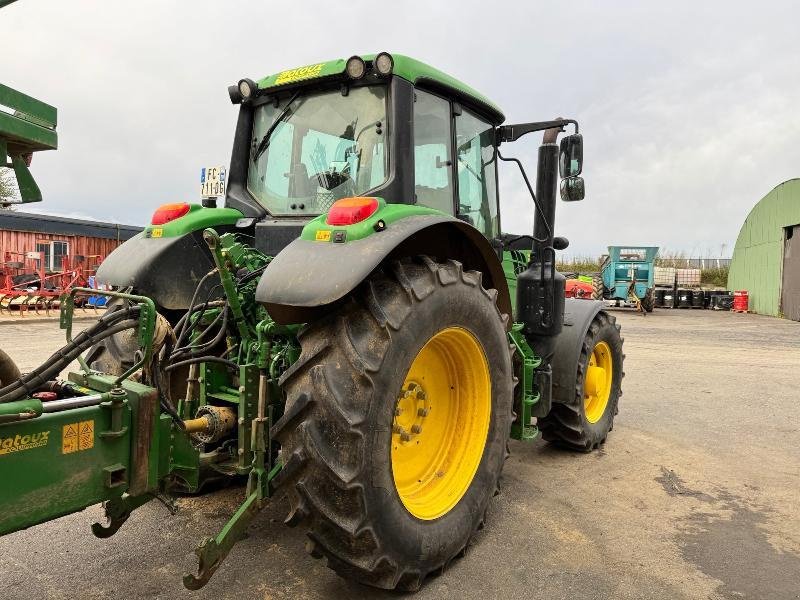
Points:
(169, 212)
(348, 211)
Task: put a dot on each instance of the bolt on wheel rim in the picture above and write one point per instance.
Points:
(597, 385)
(441, 422)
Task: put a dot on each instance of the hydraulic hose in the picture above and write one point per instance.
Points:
(223, 329)
(107, 326)
(201, 359)
(31, 381)
(179, 327)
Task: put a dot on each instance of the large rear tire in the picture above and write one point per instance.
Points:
(9, 373)
(584, 423)
(396, 425)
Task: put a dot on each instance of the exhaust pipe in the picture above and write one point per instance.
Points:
(540, 288)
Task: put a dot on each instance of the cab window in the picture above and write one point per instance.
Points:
(433, 173)
(477, 173)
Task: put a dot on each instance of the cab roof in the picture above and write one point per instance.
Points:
(410, 69)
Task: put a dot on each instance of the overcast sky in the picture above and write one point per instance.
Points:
(690, 110)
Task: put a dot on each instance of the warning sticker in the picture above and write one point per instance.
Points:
(86, 435)
(77, 436)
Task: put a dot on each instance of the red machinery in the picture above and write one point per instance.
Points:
(579, 289)
(25, 284)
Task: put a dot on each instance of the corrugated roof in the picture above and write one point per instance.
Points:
(41, 223)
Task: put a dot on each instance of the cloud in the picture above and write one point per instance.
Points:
(688, 109)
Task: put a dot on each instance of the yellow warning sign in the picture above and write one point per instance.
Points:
(77, 436)
(70, 439)
(86, 435)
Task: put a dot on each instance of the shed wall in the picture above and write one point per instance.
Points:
(758, 255)
(24, 241)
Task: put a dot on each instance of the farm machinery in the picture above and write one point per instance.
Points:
(352, 330)
(26, 285)
(626, 275)
(27, 126)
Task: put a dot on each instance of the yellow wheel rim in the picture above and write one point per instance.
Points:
(441, 422)
(597, 386)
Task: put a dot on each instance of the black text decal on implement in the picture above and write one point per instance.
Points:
(18, 443)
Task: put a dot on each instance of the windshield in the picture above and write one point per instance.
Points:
(309, 151)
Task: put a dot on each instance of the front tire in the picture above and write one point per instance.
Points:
(584, 423)
(417, 358)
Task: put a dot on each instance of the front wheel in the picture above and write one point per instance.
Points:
(397, 417)
(584, 423)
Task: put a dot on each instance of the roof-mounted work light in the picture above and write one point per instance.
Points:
(384, 63)
(248, 89)
(355, 67)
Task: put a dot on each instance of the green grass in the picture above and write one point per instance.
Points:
(717, 277)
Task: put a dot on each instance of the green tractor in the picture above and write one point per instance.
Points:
(353, 329)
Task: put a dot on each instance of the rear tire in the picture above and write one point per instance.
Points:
(584, 423)
(9, 373)
(648, 302)
(340, 431)
(598, 289)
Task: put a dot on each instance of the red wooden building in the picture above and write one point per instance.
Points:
(57, 237)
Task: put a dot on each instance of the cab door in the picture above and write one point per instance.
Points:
(476, 166)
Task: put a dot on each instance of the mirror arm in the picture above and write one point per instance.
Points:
(511, 133)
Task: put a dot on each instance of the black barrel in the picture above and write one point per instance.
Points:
(684, 298)
(669, 299)
(658, 297)
(707, 299)
(698, 298)
(725, 301)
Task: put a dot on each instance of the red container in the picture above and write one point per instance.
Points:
(740, 301)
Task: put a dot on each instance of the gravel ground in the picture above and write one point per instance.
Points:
(695, 495)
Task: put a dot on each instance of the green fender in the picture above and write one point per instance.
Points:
(310, 275)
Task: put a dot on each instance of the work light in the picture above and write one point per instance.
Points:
(247, 88)
(356, 67)
(384, 63)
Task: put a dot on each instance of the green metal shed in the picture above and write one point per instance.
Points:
(766, 259)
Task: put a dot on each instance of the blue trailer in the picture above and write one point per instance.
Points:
(627, 275)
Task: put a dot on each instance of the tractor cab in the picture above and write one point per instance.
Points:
(383, 125)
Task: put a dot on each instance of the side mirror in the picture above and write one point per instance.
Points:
(572, 189)
(570, 160)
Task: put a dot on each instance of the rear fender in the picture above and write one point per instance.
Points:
(309, 276)
(166, 262)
